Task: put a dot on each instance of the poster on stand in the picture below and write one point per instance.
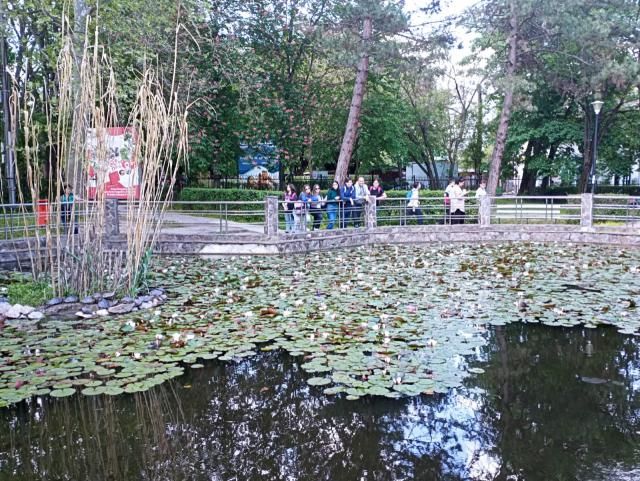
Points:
(112, 163)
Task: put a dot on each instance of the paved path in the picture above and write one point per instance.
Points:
(185, 224)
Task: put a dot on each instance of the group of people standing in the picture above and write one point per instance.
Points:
(344, 203)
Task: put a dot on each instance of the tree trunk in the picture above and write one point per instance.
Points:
(351, 130)
(505, 115)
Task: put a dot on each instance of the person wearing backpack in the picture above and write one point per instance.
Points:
(413, 207)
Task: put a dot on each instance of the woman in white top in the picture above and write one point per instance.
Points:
(458, 194)
(413, 207)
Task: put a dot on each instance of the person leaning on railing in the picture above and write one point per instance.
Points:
(332, 200)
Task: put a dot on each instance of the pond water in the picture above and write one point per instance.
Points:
(542, 410)
(508, 362)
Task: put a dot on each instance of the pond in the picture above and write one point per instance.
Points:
(446, 362)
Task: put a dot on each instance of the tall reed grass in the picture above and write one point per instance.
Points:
(84, 105)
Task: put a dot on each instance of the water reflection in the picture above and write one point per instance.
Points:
(535, 414)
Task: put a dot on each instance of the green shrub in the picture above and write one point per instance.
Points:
(29, 293)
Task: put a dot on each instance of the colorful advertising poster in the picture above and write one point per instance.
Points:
(112, 164)
(259, 163)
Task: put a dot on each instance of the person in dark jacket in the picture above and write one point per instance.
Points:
(348, 195)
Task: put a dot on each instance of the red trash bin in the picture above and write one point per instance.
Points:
(42, 215)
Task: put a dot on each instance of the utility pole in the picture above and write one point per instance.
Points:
(6, 119)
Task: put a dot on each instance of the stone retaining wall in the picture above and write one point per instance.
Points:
(14, 254)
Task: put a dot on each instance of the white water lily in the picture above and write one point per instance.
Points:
(312, 336)
(387, 340)
(157, 312)
(298, 302)
(286, 313)
(431, 343)
(243, 288)
(283, 295)
(131, 323)
(117, 353)
(323, 307)
(190, 336)
(248, 314)
(159, 337)
(137, 355)
(175, 337)
(375, 327)
(325, 335)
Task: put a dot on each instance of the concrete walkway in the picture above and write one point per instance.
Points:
(185, 224)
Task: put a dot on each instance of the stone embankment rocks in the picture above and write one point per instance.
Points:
(99, 304)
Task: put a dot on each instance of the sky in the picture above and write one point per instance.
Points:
(449, 8)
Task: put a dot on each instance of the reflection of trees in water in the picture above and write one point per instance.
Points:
(558, 413)
(258, 420)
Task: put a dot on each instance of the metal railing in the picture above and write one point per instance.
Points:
(536, 210)
(273, 216)
(616, 209)
(25, 220)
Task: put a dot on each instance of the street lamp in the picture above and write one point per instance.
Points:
(597, 107)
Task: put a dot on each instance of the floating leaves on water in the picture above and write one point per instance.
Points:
(318, 381)
(404, 333)
(62, 392)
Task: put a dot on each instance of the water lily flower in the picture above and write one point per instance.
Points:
(283, 295)
(159, 337)
(190, 336)
(312, 336)
(431, 343)
(375, 327)
(243, 288)
(175, 337)
(137, 355)
(248, 314)
(131, 323)
(398, 380)
(387, 340)
(117, 353)
(286, 313)
(325, 335)
(299, 302)
(323, 307)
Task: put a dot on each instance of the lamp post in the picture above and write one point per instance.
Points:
(597, 107)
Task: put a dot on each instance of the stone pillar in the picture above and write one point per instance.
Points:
(370, 216)
(586, 210)
(111, 217)
(484, 211)
(271, 216)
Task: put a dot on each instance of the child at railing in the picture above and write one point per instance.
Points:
(66, 210)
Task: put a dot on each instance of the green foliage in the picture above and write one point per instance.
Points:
(194, 194)
(30, 293)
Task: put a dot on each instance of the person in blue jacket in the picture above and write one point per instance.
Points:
(348, 195)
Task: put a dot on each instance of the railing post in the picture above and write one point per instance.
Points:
(485, 210)
(586, 210)
(271, 216)
(370, 216)
(111, 217)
